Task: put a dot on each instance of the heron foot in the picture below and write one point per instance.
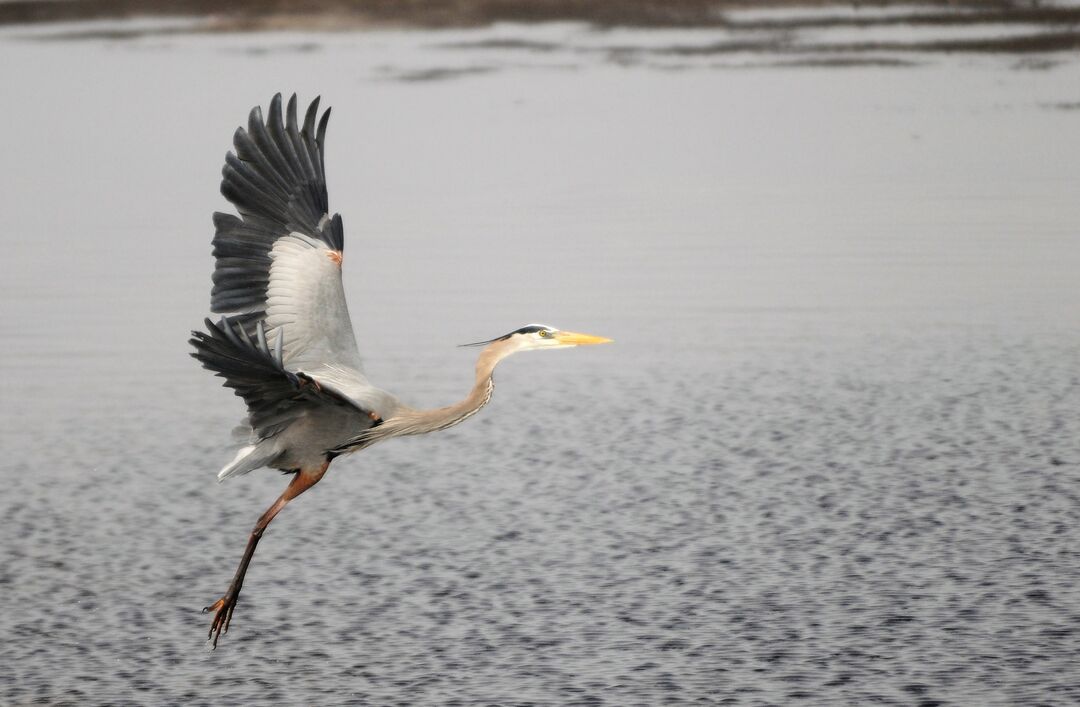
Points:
(223, 609)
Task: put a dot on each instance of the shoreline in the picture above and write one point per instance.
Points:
(802, 30)
(337, 15)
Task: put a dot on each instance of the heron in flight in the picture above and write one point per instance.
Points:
(285, 342)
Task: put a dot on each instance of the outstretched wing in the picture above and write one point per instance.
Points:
(279, 263)
(275, 397)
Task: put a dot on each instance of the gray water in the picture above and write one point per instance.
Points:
(832, 457)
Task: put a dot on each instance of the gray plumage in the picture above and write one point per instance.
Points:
(277, 272)
(277, 181)
(276, 398)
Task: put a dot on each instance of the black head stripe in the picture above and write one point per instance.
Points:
(529, 329)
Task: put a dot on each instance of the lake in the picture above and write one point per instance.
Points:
(832, 458)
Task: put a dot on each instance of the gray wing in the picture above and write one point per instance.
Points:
(275, 396)
(279, 263)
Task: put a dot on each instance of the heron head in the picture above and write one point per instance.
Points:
(541, 336)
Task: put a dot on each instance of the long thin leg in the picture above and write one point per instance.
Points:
(224, 606)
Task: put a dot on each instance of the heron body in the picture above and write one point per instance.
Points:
(285, 342)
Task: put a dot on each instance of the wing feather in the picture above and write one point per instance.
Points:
(275, 396)
(277, 266)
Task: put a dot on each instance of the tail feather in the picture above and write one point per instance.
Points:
(249, 458)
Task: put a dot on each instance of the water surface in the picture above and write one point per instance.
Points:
(832, 457)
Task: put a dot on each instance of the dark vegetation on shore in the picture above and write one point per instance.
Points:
(468, 13)
(1053, 28)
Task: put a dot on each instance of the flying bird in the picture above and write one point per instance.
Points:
(285, 343)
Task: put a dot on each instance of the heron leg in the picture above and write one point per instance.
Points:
(223, 607)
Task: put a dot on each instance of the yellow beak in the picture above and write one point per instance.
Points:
(569, 337)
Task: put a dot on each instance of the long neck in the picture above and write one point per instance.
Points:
(420, 421)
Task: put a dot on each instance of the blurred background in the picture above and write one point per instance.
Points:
(832, 457)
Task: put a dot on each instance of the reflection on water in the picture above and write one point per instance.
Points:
(830, 458)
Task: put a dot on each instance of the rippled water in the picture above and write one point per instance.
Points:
(832, 457)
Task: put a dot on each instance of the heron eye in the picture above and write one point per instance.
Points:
(545, 334)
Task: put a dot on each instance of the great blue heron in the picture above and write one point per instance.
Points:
(285, 343)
